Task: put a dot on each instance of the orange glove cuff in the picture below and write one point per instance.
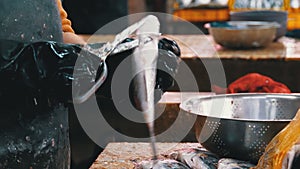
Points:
(66, 23)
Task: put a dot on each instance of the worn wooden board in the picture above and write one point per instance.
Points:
(124, 155)
(203, 46)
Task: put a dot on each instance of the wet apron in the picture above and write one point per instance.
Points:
(30, 20)
(33, 125)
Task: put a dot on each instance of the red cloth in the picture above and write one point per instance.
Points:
(255, 82)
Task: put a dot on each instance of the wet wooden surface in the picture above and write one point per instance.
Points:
(124, 155)
(203, 46)
(280, 61)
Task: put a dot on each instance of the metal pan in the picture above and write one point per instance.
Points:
(243, 34)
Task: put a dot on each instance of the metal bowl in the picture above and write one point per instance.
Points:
(263, 15)
(241, 125)
(243, 34)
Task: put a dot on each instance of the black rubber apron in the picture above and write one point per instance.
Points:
(33, 125)
(30, 20)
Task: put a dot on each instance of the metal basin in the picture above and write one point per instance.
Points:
(241, 125)
(243, 34)
(263, 15)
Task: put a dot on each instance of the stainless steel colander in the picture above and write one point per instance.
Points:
(241, 125)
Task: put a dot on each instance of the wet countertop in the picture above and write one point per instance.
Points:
(203, 46)
(118, 155)
(279, 60)
(125, 155)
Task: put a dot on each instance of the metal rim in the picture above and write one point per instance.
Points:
(185, 104)
(265, 12)
(248, 25)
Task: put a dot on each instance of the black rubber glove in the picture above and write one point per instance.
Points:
(168, 61)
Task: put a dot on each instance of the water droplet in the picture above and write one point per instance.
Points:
(35, 101)
(39, 131)
(52, 142)
(44, 26)
(43, 145)
(51, 36)
(27, 138)
(16, 20)
(22, 35)
(11, 147)
(61, 126)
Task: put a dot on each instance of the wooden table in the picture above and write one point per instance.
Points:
(280, 60)
(125, 155)
(203, 46)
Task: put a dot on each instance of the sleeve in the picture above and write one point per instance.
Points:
(66, 23)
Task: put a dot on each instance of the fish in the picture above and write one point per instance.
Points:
(228, 163)
(161, 164)
(197, 158)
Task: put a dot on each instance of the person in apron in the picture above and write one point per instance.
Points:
(33, 135)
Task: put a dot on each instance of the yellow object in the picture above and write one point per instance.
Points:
(202, 15)
(293, 13)
(231, 6)
(65, 22)
(293, 19)
(280, 145)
